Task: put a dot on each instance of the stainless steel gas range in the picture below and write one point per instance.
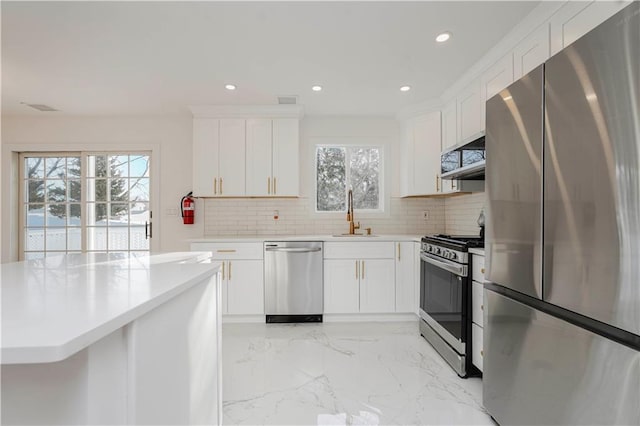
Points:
(445, 298)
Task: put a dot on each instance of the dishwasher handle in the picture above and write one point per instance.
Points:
(294, 249)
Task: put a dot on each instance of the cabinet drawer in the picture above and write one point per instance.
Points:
(230, 251)
(477, 352)
(477, 303)
(478, 268)
(372, 250)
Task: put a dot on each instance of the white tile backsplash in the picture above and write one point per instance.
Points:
(254, 216)
(462, 213)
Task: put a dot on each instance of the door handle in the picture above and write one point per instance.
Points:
(274, 186)
(148, 230)
(293, 249)
(223, 271)
(215, 186)
(229, 271)
(220, 186)
(356, 269)
(362, 268)
(398, 252)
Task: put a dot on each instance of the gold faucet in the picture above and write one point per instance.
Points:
(350, 215)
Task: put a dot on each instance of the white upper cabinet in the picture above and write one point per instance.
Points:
(470, 106)
(286, 157)
(421, 143)
(531, 52)
(231, 165)
(205, 156)
(259, 147)
(449, 125)
(575, 19)
(218, 157)
(272, 157)
(252, 156)
(426, 153)
(497, 77)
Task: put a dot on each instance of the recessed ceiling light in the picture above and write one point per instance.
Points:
(441, 38)
(230, 86)
(405, 88)
(316, 88)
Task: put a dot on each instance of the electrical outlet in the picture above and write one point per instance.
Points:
(172, 212)
(425, 214)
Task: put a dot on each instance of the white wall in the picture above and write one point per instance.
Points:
(171, 138)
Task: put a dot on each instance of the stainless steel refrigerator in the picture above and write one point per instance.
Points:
(562, 302)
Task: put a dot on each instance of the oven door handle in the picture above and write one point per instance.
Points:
(455, 268)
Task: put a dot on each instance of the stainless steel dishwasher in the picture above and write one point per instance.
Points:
(293, 281)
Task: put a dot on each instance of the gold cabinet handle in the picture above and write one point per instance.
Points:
(362, 268)
(275, 191)
(268, 185)
(226, 250)
(229, 271)
(481, 352)
(220, 186)
(482, 270)
(215, 185)
(356, 269)
(223, 271)
(437, 183)
(398, 252)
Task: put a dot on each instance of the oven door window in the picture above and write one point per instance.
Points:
(441, 297)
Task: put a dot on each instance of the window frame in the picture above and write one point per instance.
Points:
(84, 155)
(381, 178)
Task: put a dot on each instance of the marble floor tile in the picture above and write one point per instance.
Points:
(342, 374)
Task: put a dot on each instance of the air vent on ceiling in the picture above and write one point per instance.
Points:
(41, 107)
(287, 100)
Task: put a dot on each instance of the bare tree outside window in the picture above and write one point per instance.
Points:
(342, 168)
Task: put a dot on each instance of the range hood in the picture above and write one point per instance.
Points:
(465, 161)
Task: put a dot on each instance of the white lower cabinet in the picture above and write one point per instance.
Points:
(354, 283)
(245, 287)
(242, 276)
(477, 310)
(341, 286)
(406, 276)
(477, 351)
(377, 286)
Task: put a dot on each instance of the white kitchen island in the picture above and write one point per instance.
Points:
(111, 339)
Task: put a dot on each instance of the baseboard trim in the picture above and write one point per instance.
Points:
(391, 317)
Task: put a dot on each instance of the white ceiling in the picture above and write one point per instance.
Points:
(155, 58)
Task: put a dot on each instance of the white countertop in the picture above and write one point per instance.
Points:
(57, 306)
(262, 238)
(478, 251)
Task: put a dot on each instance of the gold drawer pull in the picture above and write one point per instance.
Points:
(356, 269)
(226, 251)
(220, 186)
(215, 185)
(229, 271)
(362, 268)
(223, 271)
(482, 270)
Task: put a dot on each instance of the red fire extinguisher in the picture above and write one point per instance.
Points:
(188, 209)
